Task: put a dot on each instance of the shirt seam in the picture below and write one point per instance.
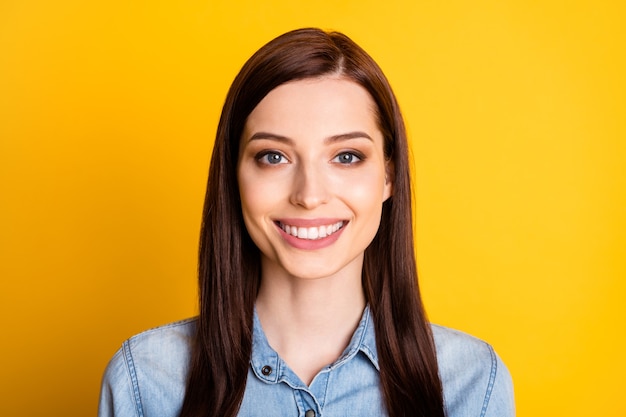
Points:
(164, 327)
(130, 367)
(492, 378)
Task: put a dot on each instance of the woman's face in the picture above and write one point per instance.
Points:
(311, 176)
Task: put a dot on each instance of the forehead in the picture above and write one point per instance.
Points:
(323, 106)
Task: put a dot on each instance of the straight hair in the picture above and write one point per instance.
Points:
(229, 262)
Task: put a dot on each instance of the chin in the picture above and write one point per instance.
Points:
(311, 275)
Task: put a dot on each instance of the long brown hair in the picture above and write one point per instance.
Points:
(229, 262)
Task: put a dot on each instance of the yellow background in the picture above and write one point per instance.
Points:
(516, 116)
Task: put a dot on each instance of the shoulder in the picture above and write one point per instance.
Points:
(475, 380)
(454, 346)
(149, 372)
(164, 339)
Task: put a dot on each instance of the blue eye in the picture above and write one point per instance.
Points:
(347, 158)
(272, 158)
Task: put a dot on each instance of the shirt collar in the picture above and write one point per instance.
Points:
(268, 366)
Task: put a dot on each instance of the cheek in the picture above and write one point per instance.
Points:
(251, 209)
(365, 198)
(364, 187)
(257, 194)
(251, 191)
(258, 197)
(248, 198)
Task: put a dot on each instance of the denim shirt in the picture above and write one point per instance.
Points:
(147, 377)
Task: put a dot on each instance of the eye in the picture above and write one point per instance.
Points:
(271, 158)
(347, 158)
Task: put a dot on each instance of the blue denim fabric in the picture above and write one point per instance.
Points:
(147, 376)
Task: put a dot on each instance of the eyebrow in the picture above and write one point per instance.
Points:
(330, 139)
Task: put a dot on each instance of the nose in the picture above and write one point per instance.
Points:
(310, 187)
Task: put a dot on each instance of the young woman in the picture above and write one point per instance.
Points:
(309, 303)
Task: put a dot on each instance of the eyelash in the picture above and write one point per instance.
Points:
(357, 155)
(263, 157)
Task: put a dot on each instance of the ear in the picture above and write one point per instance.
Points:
(389, 176)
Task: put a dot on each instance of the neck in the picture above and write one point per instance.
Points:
(309, 322)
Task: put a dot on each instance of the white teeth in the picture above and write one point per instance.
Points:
(312, 233)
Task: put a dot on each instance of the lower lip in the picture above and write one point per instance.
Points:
(307, 244)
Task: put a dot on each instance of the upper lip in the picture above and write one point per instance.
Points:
(309, 222)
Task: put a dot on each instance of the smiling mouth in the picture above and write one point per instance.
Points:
(311, 233)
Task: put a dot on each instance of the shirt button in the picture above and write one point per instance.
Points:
(309, 413)
(267, 370)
